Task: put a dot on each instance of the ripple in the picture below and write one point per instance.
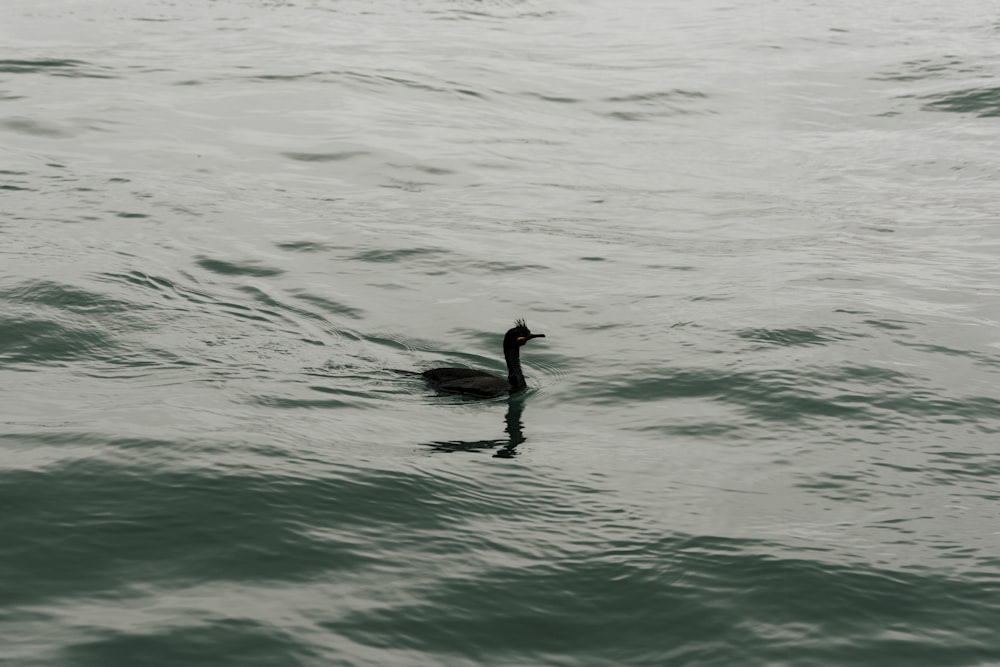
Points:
(304, 246)
(330, 306)
(852, 393)
(36, 128)
(56, 67)
(984, 102)
(326, 157)
(247, 268)
(928, 68)
(57, 323)
(243, 641)
(396, 254)
(43, 342)
(795, 337)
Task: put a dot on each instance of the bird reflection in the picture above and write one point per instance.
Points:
(505, 447)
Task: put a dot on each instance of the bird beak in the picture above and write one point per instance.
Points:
(536, 336)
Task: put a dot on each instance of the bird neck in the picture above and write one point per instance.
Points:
(515, 377)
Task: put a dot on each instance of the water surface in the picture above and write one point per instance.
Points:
(760, 240)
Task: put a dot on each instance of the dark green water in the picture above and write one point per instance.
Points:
(762, 243)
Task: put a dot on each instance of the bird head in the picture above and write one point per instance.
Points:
(520, 334)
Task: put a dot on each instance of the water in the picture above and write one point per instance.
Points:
(761, 240)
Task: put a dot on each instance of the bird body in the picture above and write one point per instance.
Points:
(482, 384)
(467, 381)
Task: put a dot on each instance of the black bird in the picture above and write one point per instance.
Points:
(481, 384)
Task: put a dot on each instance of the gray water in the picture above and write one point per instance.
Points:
(761, 239)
